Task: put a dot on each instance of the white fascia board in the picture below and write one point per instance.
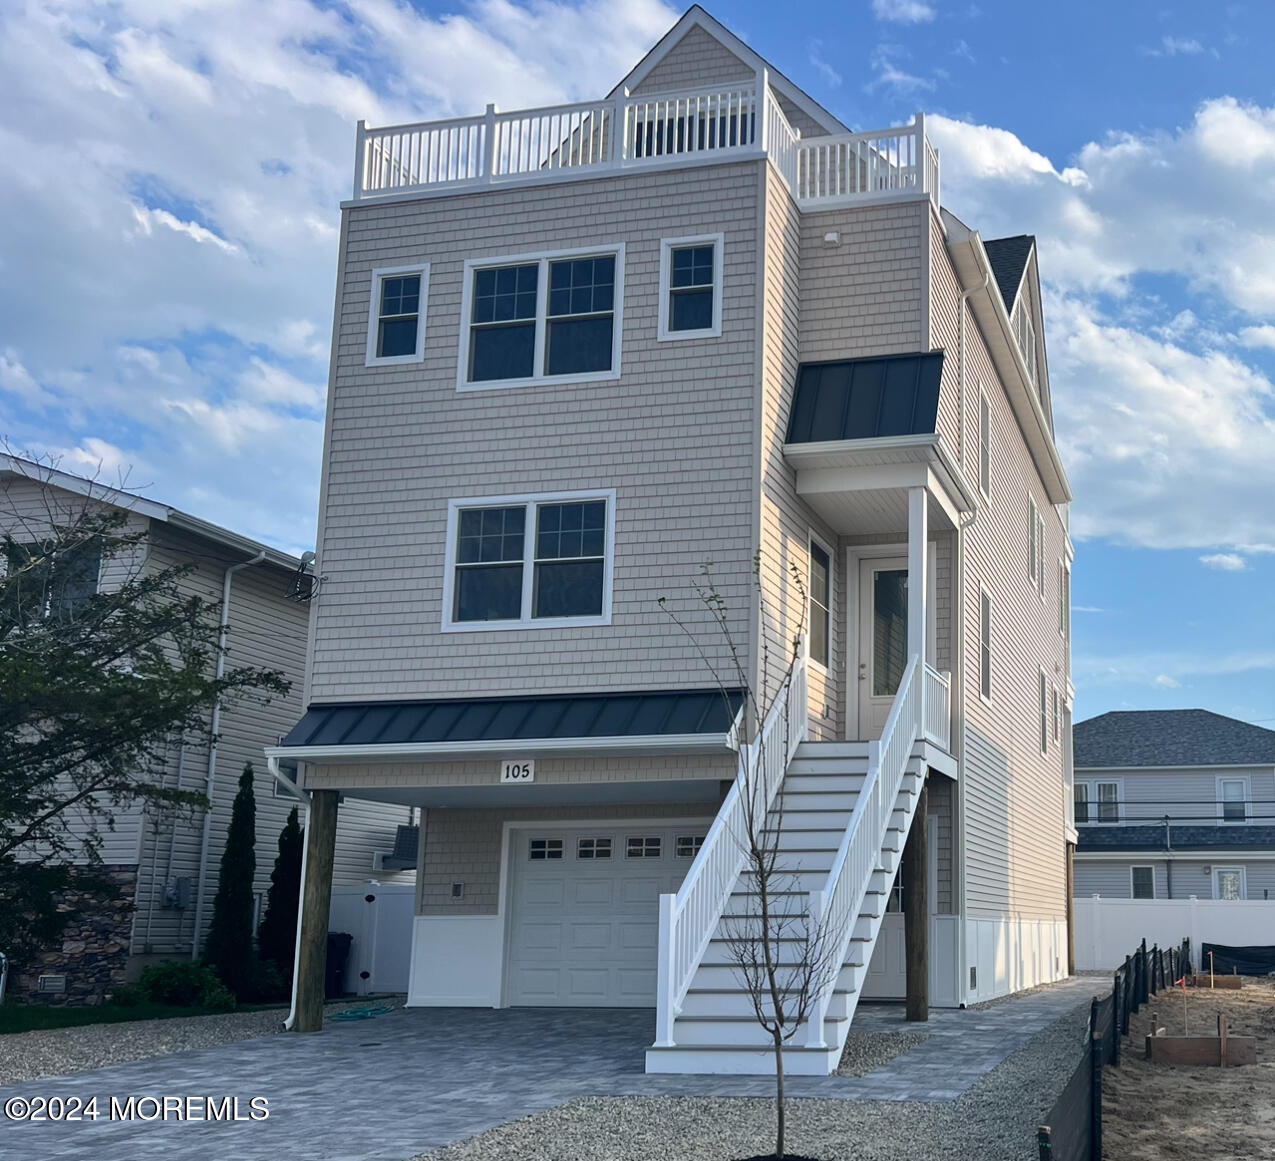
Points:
(1182, 768)
(1174, 854)
(504, 747)
(228, 539)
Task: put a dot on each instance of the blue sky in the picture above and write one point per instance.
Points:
(170, 234)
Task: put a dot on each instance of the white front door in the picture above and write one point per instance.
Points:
(584, 918)
(883, 639)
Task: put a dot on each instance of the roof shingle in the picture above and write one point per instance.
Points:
(1192, 737)
(1008, 258)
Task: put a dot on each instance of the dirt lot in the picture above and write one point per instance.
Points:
(1174, 1113)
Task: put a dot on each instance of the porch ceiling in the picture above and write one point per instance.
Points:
(861, 485)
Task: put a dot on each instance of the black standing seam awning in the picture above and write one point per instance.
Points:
(866, 398)
(494, 719)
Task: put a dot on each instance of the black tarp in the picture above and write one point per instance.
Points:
(1248, 961)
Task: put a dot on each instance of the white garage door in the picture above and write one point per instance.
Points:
(585, 912)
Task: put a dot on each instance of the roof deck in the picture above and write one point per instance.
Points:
(626, 133)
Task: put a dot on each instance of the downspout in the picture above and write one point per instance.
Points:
(210, 780)
(959, 658)
(304, 801)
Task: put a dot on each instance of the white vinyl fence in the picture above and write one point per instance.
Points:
(1107, 928)
(379, 917)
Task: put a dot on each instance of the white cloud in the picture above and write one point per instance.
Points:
(1164, 681)
(1149, 668)
(168, 299)
(904, 11)
(822, 67)
(890, 75)
(1176, 46)
(1225, 562)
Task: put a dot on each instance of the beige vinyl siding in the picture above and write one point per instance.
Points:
(672, 436)
(696, 61)
(1013, 818)
(375, 776)
(464, 846)
(865, 296)
(945, 313)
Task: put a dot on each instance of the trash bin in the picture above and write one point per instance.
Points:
(338, 955)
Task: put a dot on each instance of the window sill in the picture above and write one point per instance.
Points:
(395, 360)
(533, 623)
(538, 381)
(677, 336)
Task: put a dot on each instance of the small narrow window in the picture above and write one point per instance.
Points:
(985, 646)
(1044, 713)
(593, 848)
(1108, 802)
(984, 446)
(1234, 799)
(690, 288)
(1040, 554)
(1057, 714)
(1064, 599)
(396, 327)
(1081, 814)
(1143, 882)
(688, 845)
(1033, 543)
(643, 847)
(545, 848)
(820, 604)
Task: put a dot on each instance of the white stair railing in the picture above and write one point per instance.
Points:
(936, 725)
(834, 909)
(689, 918)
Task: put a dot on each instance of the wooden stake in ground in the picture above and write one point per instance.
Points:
(1211, 969)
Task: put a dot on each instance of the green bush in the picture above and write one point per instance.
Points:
(186, 984)
(127, 995)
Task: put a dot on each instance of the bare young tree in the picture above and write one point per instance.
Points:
(780, 953)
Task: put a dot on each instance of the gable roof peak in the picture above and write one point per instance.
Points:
(1170, 738)
(1009, 258)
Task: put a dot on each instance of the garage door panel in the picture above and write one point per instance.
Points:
(593, 893)
(636, 985)
(639, 936)
(590, 937)
(589, 985)
(541, 892)
(537, 986)
(646, 890)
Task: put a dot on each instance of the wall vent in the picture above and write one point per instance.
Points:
(49, 985)
(973, 979)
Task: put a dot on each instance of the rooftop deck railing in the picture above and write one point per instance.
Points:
(657, 131)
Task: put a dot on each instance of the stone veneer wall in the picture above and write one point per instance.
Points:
(93, 950)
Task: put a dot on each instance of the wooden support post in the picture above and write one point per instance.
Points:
(1070, 878)
(916, 911)
(317, 900)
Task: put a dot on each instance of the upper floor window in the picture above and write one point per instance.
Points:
(1025, 336)
(984, 446)
(1097, 802)
(1036, 547)
(691, 287)
(396, 322)
(529, 561)
(1233, 796)
(985, 645)
(554, 317)
(1064, 599)
(820, 604)
(49, 580)
(1044, 713)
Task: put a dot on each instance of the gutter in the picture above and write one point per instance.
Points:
(303, 800)
(210, 780)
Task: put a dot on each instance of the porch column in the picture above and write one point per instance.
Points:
(916, 909)
(918, 533)
(316, 902)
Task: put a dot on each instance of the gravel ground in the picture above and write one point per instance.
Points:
(995, 1121)
(26, 1056)
(865, 1052)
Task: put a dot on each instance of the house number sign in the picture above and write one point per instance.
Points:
(518, 770)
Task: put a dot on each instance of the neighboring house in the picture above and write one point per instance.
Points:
(166, 867)
(1174, 803)
(577, 354)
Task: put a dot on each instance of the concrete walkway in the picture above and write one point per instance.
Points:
(387, 1089)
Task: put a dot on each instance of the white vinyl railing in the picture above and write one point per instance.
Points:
(659, 130)
(689, 918)
(936, 723)
(834, 909)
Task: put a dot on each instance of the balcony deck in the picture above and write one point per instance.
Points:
(626, 133)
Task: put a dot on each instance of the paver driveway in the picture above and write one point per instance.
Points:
(386, 1089)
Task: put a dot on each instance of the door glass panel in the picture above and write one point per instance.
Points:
(889, 630)
(1228, 885)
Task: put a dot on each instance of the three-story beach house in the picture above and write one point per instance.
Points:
(578, 354)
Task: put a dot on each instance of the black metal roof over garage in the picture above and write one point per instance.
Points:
(487, 719)
(866, 398)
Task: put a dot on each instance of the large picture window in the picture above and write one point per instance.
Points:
(542, 318)
(534, 561)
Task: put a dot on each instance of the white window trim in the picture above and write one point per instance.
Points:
(1142, 867)
(986, 698)
(379, 274)
(1042, 700)
(819, 667)
(1091, 785)
(1217, 895)
(526, 621)
(543, 257)
(1248, 799)
(667, 246)
(984, 436)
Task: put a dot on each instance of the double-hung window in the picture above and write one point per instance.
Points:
(1097, 802)
(542, 319)
(1064, 599)
(396, 321)
(820, 604)
(1036, 547)
(691, 287)
(1142, 881)
(985, 645)
(1232, 794)
(529, 561)
(1044, 713)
